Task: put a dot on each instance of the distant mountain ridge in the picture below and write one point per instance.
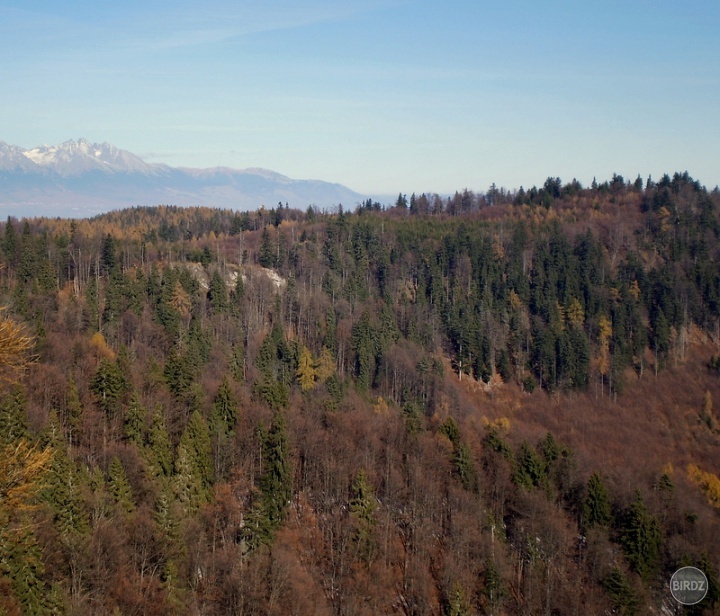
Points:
(80, 178)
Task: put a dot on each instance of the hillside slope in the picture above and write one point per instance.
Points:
(492, 404)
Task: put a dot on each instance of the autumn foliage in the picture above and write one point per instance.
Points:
(463, 405)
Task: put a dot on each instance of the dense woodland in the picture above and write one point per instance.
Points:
(482, 404)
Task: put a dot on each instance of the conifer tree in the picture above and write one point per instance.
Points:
(22, 475)
(196, 442)
(159, 451)
(270, 507)
(224, 412)
(363, 505)
(134, 424)
(325, 365)
(108, 385)
(457, 604)
(119, 486)
(641, 537)
(13, 426)
(596, 510)
(217, 293)
(73, 410)
(187, 484)
(621, 592)
(305, 373)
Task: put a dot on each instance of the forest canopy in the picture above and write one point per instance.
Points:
(482, 403)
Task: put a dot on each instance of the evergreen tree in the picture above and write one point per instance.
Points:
(530, 471)
(73, 411)
(119, 486)
(624, 598)
(197, 444)
(363, 505)
(134, 424)
(159, 451)
(9, 241)
(596, 509)
(270, 507)
(266, 256)
(22, 476)
(186, 482)
(457, 603)
(108, 385)
(13, 426)
(217, 293)
(640, 537)
(276, 480)
(224, 412)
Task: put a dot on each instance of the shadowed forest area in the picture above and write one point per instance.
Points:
(482, 404)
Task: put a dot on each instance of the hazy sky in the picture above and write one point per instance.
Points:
(381, 95)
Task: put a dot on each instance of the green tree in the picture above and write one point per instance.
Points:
(119, 486)
(13, 426)
(620, 590)
(196, 442)
(530, 470)
(363, 505)
(22, 476)
(186, 482)
(224, 412)
(217, 293)
(270, 507)
(108, 385)
(73, 410)
(640, 537)
(10, 241)
(159, 451)
(596, 508)
(134, 424)
(457, 603)
(266, 256)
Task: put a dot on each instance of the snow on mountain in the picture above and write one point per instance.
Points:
(79, 178)
(77, 157)
(12, 158)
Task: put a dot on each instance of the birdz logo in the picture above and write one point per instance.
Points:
(688, 585)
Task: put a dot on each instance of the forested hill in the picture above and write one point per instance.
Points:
(492, 404)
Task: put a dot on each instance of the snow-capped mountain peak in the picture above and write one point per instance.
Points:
(93, 177)
(76, 157)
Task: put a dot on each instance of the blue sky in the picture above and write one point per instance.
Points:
(384, 96)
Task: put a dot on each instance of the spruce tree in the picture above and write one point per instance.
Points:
(363, 505)
(596, 509)
(641, 538)
(159, 451)
(197, 444)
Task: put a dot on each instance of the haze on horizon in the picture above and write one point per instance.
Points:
(379, 95)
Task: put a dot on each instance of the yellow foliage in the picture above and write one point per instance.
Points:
(381, 407)
(21, 471)
(605, 329)
(15, 349)
(575, 313)
(100, 345)
(515, 300)
(180, 300)
(707, 482)
(305, 372)
(325, 365)
(501, 424)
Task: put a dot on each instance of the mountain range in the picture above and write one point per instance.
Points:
(80, 179)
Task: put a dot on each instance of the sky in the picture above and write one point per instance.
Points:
(384, 96)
